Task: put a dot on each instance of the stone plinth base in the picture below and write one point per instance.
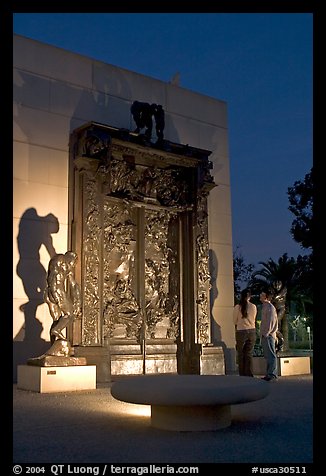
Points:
(134, 365)
(98, 356)
(56, 379)
(127, 357)
(285, 365)
(212, 361)
(158, 356)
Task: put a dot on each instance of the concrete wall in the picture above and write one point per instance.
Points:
(56, 91)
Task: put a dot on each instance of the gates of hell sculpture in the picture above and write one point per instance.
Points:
(139, 224)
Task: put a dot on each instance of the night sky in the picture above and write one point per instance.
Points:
(259, 63)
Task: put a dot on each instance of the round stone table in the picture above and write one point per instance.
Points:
(190, 402)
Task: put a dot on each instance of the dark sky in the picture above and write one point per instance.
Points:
(259, 63)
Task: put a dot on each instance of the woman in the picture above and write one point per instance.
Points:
(244, 319)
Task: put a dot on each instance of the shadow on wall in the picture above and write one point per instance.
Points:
(34, 231)
(216, 328)
(110, 102)
(213, 271)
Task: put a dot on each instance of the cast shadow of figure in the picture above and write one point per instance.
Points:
(216, 328)
(34, 231)
(213, 293)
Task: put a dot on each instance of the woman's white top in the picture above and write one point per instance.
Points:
(245, 323)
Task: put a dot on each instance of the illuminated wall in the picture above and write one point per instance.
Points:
(56, 91)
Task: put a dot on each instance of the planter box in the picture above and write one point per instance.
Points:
(286, 365)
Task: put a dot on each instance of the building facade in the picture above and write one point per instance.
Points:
(57, 94)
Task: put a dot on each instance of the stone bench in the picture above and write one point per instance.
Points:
(190, 402)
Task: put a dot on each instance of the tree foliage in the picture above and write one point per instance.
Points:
(304, 287)
(301, 205)
(296, 276)
(242, 272)
(301, 198)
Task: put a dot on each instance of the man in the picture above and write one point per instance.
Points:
(62, 293)
(268, 329)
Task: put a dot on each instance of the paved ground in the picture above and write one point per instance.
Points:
(93, 427)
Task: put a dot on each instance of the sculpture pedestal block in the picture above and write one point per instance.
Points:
(285, 365)
(56, 379)
(294, 365)
(125, 357)
(212, 361)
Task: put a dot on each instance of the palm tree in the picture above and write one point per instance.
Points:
(283, 277)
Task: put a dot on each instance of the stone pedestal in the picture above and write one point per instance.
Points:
(56, 379)
(97, 356)
(286, 365)
(212, 361)
(294, 365)
(125, 357)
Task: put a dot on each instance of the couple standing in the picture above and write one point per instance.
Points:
(244, 318)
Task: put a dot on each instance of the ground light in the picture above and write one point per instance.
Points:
(135, 410)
